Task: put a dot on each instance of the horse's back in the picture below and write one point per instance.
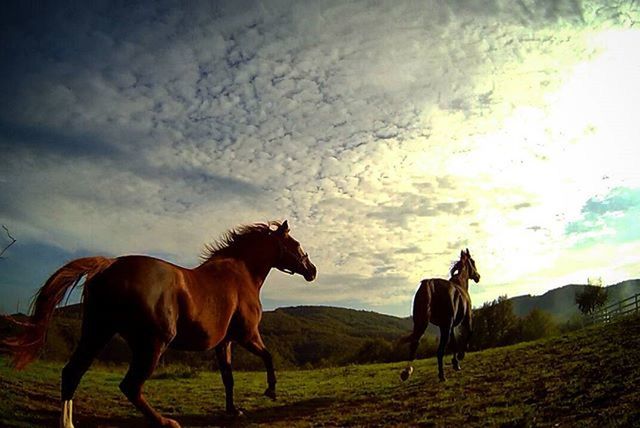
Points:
(137, 291)
(192, 307)
(139, 277)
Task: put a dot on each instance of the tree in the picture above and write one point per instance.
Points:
(537, 324)
(595, 280)
(494, 324)
(591, 298)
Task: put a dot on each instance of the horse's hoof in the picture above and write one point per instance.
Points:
(404, 375)
(271, 393)
(456, 365)
(170, 423)
(442, 378)
(235, 413)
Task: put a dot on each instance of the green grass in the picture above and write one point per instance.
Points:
(586, 378)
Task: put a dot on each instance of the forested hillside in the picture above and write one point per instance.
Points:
(560, 302)
(321, 336)
(305, 336)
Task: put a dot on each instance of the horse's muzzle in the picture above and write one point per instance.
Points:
(310, 271)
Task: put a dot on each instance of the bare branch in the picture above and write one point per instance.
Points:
(13, 241)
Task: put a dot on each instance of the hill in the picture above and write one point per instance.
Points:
(318, 336)
(560, 302)
(585, 378)
(303, 336)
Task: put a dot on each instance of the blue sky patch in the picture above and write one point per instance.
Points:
(613, 218)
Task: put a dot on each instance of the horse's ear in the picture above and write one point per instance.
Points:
(284, 227)
(462, 254)
(468, 254)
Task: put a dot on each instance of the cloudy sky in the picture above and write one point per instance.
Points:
(391, 134)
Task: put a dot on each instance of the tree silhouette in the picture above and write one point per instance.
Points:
(11, 238)
(494, 324)
(591, 298)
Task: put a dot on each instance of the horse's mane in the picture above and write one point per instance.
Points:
(455, 267)
(235, 238)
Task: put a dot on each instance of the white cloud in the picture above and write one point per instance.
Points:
(390, 134)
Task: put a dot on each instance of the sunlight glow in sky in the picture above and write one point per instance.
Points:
(390, 135)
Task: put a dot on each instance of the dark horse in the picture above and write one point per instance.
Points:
(446, 304)
(154, 305)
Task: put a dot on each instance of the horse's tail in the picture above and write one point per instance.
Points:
(25, 345)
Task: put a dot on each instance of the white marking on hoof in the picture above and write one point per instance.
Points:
(66, 417)
(406, 373)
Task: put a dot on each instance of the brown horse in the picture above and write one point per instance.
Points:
(154, 305)
(446, 304)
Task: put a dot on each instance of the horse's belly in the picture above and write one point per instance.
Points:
(192, 336)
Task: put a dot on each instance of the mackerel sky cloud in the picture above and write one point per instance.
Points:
(390, 134)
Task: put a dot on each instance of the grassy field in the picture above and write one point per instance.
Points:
(587, 378)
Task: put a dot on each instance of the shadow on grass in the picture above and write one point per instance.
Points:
(291, 412)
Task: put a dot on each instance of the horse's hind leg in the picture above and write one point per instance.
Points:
(144, 359)
(92, 340)
(465, 337)
(454, 347)
(420, 323)
(442, 346)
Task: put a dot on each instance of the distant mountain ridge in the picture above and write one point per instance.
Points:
(315, 336)
(560, 302)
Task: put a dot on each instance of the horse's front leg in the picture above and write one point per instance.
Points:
(223, 354)
(255, 345)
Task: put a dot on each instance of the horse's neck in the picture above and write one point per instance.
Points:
(461, 278)
(464, 283)
(258, 270)
(259, 260)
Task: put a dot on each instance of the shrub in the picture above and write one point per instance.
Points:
(537, 324)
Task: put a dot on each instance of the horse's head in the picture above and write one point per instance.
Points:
(292, 258)
(467, 261)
